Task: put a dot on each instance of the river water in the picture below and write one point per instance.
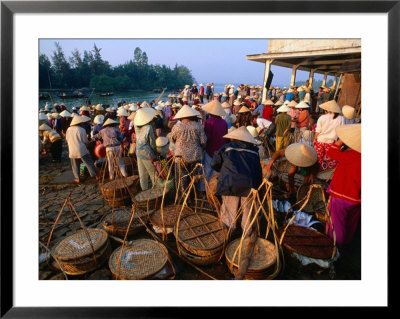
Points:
(129, 97)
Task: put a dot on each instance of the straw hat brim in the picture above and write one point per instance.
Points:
(44, 127)
(301, 155)
(244, 109)
(78, 119)
(144, 116)
(283, 108)
(302, 105)
(331, 106)
(185, 112)
(348, 112)
(109, 122)
(241, 134)
(161, 141)
(350, 134)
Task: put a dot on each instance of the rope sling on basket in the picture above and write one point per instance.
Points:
(314, 240)
(250, 256)
(200, 237)
(81, 252)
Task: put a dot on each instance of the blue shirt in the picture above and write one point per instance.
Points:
(289, 96)
(259, 108)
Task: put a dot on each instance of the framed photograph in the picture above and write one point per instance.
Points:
(32, 31)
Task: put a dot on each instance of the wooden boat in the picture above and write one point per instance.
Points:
(106, 94)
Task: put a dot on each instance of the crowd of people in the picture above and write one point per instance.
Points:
(227, 133)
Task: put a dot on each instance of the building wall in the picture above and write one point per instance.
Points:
(294, 45)
(350, 94)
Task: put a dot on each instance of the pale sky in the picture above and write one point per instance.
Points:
(210, 60)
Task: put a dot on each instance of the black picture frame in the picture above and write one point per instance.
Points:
(9, 8)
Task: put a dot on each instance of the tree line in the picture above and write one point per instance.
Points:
(90, 70)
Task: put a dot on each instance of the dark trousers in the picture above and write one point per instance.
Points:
(56, 150)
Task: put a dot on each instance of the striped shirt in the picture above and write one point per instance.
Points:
(51, 135)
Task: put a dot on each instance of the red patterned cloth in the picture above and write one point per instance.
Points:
(324, 161)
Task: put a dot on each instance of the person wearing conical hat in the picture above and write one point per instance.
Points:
(190, 140)
(98, 121)
(174, 110)
(163, 151)
(302, 93)
(158, 122)
(304, 161)
(99, 110)
(345, 187)
(201, 93)
(215, 127)
(243, 117)
(320, 99)
(236, 107)
(145, 146)
(283, 122)
(303, 121)
(77, 140)
(112, 139)
(65, 121)
(123, 120)
(268, 111)
(238, 164)
(57, 125)
(186, 92)
(289, 95)
(52, 141)
(193, 92)
(325, 132)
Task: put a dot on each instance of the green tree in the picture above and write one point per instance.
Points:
(44, 71)
(61, 68)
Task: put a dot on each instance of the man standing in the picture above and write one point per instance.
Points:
(201, 93)
(283, 122)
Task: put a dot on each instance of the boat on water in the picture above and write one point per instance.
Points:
(71, 96)
(44, 96)
(106, 94)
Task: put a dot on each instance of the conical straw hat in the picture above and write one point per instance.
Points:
(301, 155)
(283, 108)
(267, 102)
(278, 103)
(231, 129)
(241, 134)
(236, 102)
(214, 108)
(109, 122)
(77, 119)
(144, 116)
(186, 111)
(225, 105)
(44, 127)
(55, 115)
(168, 103)
(99, 107)
(85, 118)
(348, 112)
(65, 113)
(144, 104)
(331, 106)
(161, 141)
(99, 119)
(252, 130)
(292, 103)
(126, 107)
(350, 134)
(133, 108)
(301, 89)
(122, 112)
(244, 109)
(131, 117)
(84, 108)
(109, 109)
(302, 105)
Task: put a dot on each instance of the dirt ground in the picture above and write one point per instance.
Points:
(91, 207)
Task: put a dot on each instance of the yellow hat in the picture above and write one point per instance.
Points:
(214, 108)
(350, 134)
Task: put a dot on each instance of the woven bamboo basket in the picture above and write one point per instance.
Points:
(151, 199)
(315, 202)
(116, 192)
(200, 260)
(213, 183)
(116, 223)
(140, 260)
(75, 255)
(261, 263)
(204, 206)
(307, 242)
(281, 168)
(168, 216)
(200, 234)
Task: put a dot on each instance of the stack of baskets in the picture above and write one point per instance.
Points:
(262, 262)
(142, 259)
(305, 242)
(116, 192)
(75, 255)
(164, 219)
(315, 204)
(151, 199)
(200, 238)
(116, 223)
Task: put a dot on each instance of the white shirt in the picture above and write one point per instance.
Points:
(326, 126)
(263, 123)
(76, 139)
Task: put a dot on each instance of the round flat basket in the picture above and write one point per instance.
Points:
(116, 223)
(117, 193)
(140, 260)
(213, 183)
(315, 202)
(264, 256)
(307, 242)
(168, 216)
(150, 198)
(200, 260)
(87, 264)
(200, 234)
(282, 166)
(77, 246)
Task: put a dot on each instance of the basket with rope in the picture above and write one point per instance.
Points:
(251, 256)
(116, 222)
(141, 259)
(118, 192)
